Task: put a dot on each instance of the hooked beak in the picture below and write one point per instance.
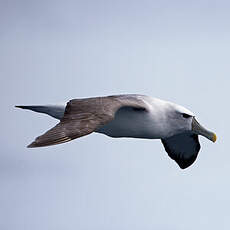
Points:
(199, 130)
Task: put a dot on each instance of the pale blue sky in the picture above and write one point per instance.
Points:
(53, 51)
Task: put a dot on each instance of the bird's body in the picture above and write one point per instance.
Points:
(130, 123)
(148, 123)
(135, 116)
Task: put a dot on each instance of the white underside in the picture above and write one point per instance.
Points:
(128, 123)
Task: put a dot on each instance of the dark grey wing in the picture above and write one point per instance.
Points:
(183, 148)
(84, 116)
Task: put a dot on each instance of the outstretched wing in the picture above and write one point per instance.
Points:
(84, 116)
(183, 148)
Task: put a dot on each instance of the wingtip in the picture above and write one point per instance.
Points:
(32, 145)
(19, 106)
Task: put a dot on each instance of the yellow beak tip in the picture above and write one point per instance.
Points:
(214, 138)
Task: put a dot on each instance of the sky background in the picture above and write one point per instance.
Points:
(53, 51)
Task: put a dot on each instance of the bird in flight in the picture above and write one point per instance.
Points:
(135, 116)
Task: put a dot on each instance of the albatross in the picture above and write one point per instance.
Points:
(133, 116)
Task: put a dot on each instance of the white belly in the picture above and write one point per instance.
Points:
(130, 123)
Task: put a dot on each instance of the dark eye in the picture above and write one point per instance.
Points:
(185, 115)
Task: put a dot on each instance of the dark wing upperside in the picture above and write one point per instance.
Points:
(84, 116)
(183, 148)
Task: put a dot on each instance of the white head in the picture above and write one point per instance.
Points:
(175, 119)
